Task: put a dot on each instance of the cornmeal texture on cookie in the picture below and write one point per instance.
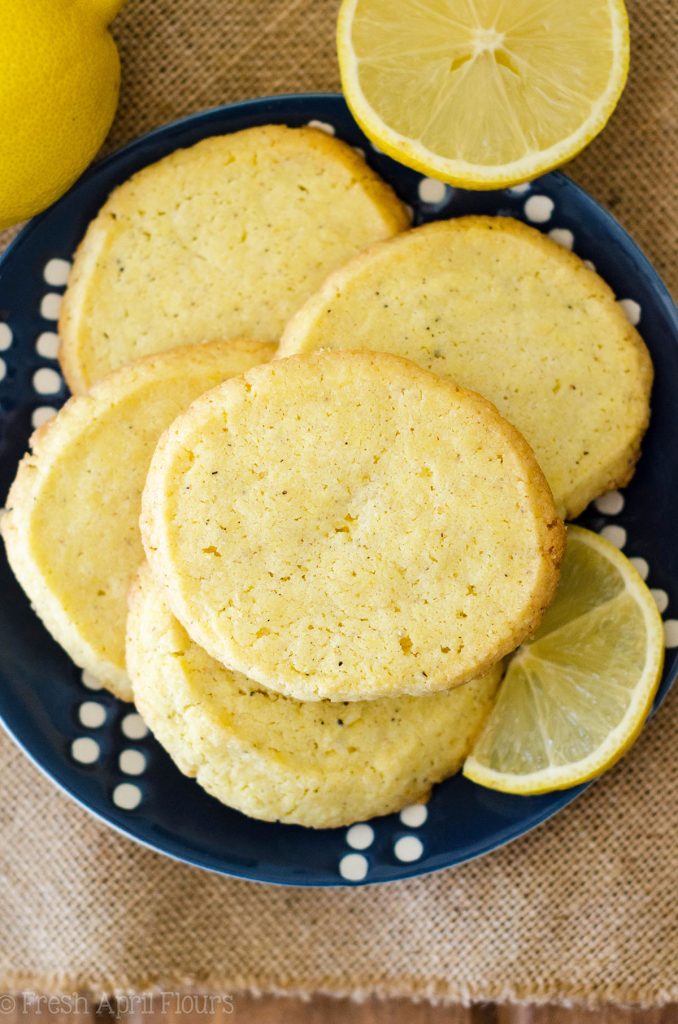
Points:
(349, 526)
(224, 239)
(272, 757)
(506, 311)
(71, 528)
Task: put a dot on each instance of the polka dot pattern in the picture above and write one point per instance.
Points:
(41, 415)
(56, 272)
(641, 566)
(615, 534)
(92, 714)
(632, 310)
(3, 369)
(563, 236)
(414, 816)
(432, 191)
(408, 849)
(85, 750)
(539, 209)
(46, 381)
(671, 633)
(127, 796)
(353, 867)
(359, 837)
(610, 504)
(323, 126)
(132, 762)
(50, 307)
(47, 345)
(134, 727)
(5, 336)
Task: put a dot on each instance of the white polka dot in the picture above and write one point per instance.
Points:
(5, 336)
(563, 236)
(47, 345)
(127, 796)
(414, 815)
(50, 306)
(41, 415)
(610, 504)
(408, 848)
(133, 727)
(46, 381)
(661, 599)
(671, 632)
(56, 272)
(90, 681)
(132, 762)
(615, 534)
(323, 126)
(353, 867)
(432, 191)
(85, 750)
(519, 189)
(632, 310)
(3, 369)
(360, 836)
(641, 567)
(590, 264)
(538, 209)
(92, 714)
(359, 151)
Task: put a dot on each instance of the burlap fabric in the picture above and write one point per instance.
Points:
(583, 910)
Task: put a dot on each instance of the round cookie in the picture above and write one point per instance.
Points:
(226, 238)
(345, 525)
(502, 309)
(71, 527)
(305, 763)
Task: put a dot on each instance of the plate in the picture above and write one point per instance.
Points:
(95, 747)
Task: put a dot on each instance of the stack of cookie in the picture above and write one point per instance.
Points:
(305, 567)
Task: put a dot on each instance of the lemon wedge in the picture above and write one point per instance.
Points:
(482, 93)
(575, 697)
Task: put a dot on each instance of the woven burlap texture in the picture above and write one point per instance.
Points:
(583, 910)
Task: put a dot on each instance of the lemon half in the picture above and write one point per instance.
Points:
(482, 93)
(575, 697)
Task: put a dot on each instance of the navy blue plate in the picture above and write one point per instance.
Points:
(92, 745)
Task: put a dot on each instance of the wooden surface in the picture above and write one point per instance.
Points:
(173, 1008)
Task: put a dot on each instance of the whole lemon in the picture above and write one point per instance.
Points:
(59, 85)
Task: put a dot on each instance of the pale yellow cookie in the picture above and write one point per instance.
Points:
(504, 310)
(348, 526)
(225, 239)
(314, 763)
(71, 528)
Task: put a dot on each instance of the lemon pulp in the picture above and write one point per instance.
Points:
(575, 697)
(483, 92)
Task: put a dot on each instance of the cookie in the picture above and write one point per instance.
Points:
(504, 310)
(224, 239)
(348, 526)
(305, 763)
(71, 527)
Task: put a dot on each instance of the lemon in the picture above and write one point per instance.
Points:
(60, 84)
(575, 697)
(482, 93)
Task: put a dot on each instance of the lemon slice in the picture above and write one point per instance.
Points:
(482, 93)
(576, 696)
